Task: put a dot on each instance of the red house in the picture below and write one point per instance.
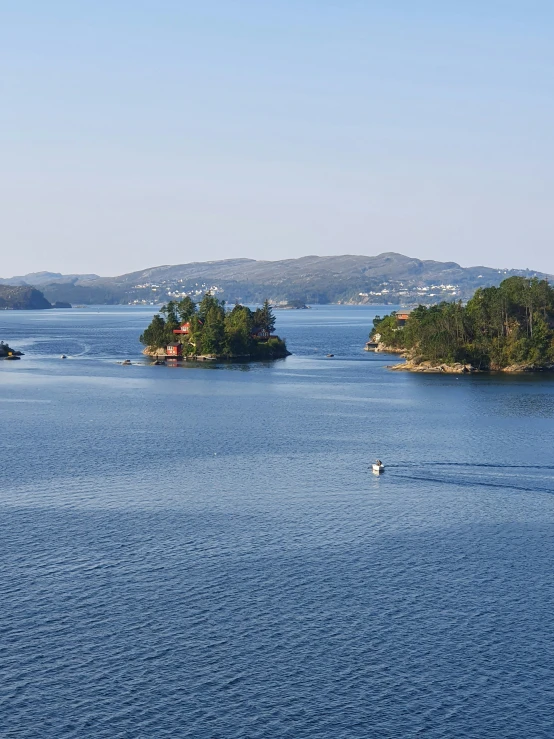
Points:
(173, 350)
(183, 329)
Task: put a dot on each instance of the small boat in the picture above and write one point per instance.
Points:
(63, 356)
(329, 355)
(378, 467)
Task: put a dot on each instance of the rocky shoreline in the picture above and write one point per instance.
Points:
(414, 364)
(451, 369)
(161, 355)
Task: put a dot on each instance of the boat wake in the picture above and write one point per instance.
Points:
(467, 465)
(504, 484)
(86, 350)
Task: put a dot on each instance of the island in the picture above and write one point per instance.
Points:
(7, 352)
(291, 305)
(208, 331)
(509, 328)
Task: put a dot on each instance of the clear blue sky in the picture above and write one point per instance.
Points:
(139, 132)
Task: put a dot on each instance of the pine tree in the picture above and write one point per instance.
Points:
(213, 332)
(186, 308)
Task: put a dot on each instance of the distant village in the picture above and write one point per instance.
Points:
(173, 290)
(388, 292)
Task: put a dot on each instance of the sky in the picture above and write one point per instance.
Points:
(138, 132)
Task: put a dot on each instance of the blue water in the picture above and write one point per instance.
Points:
(202, 552)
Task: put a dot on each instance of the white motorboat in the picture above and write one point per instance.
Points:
(378, 467)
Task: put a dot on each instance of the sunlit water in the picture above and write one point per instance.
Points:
(202, 551)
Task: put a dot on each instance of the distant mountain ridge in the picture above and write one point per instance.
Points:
(385, 278)
(44, 278)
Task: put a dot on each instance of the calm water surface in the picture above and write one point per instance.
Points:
(202, 552)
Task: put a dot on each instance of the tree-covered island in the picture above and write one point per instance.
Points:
(208, 330)
(509, 328)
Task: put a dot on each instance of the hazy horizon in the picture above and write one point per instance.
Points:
(140, 134)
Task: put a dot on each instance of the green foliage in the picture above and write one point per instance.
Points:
(264, 318)
(239, 325)
(271, 349)
(208, 302)
(499, 326)
(213, 330)
(156, 333)
(170, 312)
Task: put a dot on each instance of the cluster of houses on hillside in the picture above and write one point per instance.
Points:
(390, 290)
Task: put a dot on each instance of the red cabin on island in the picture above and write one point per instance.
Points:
(173, 350)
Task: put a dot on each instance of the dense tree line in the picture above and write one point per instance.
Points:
(215, 330)
(498, 327)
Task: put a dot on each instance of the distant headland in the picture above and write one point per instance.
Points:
(509, 328)
(24, 297)
(207, 331)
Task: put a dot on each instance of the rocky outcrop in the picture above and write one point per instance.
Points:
(390, 349)
(457, 368)
(412, 365)
(7, 353)
(520, 368)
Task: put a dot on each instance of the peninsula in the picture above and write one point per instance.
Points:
(509, 328)
(187, 330)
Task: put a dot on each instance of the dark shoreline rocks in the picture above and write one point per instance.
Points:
(159, 354)
(7, 352)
